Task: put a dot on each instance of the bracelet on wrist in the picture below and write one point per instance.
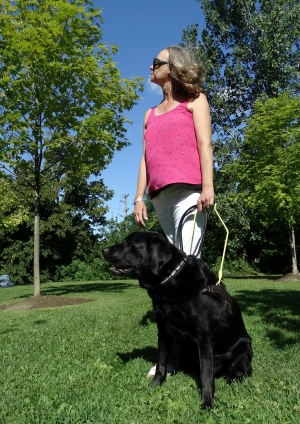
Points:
(138, 199)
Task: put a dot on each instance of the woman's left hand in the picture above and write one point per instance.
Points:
(206, 199)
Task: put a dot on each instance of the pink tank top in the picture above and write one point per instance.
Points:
(172, 154)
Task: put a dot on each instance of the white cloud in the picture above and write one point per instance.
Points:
(153, 88)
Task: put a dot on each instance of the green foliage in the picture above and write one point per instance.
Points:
(268, 247)
(252, 246)
(62, 96)
(91, 360)
(12, 211)
(235, 268)
(76, 271)
(67, 229)
(17, 259)
(153, 223)
(267, 171)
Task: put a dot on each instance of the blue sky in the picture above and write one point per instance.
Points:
(141, 29)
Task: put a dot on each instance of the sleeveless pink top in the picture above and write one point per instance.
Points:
(172, 154)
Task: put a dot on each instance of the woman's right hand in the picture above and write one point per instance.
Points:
(140, 213)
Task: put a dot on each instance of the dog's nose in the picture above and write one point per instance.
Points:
(105, 250)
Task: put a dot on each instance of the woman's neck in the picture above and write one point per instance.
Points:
(170, 95)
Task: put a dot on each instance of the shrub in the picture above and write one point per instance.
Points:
(76, 271)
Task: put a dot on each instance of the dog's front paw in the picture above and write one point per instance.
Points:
(207, 403)
(157, 381)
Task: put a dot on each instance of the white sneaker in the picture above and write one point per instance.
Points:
(152, 372)
(170, 371)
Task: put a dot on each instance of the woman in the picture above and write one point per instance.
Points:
(177, 160)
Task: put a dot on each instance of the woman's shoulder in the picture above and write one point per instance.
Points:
(147, 114)
(197, 103)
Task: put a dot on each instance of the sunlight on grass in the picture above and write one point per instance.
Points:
(87, 363)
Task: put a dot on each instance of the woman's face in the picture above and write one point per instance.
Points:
(161, 71)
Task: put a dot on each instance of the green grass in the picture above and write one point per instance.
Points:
(87, 363)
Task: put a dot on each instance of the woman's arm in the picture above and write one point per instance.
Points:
(202, 122)
(140, 210)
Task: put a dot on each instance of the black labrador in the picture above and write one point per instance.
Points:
(188, 304)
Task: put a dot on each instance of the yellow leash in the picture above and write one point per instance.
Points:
(226, 240)
(225, 245)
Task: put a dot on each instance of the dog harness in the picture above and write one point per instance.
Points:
(219, 292)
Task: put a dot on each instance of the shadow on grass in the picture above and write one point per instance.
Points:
(253, 277)
(10, 330)
(148, 353)
(58, 290)
(148, 317)
(278, 309)
(40, 321)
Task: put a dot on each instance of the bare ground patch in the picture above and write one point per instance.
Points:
(290, 277)
(39, 302)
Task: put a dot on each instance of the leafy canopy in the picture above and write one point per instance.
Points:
(267, 171)
(13, 212)
(61, 95)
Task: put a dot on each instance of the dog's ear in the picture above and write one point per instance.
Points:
(159, 254)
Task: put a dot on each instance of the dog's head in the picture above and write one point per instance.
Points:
(148, 256)
(141, 253)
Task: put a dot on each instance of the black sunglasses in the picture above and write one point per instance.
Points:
(158, 62)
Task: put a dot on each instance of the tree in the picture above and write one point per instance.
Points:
(250, 48)
(267, 170)
(67, 228)
(61, 97)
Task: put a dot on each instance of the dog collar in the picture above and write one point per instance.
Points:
(178, 268)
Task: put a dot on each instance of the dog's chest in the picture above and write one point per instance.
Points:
(179, 322)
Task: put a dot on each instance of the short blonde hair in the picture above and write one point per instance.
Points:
(187, 73)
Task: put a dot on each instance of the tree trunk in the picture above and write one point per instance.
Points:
(36, 248)
(293, 249)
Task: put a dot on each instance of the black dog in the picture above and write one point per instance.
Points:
(188, 304)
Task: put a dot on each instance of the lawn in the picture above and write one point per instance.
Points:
(87, 363)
